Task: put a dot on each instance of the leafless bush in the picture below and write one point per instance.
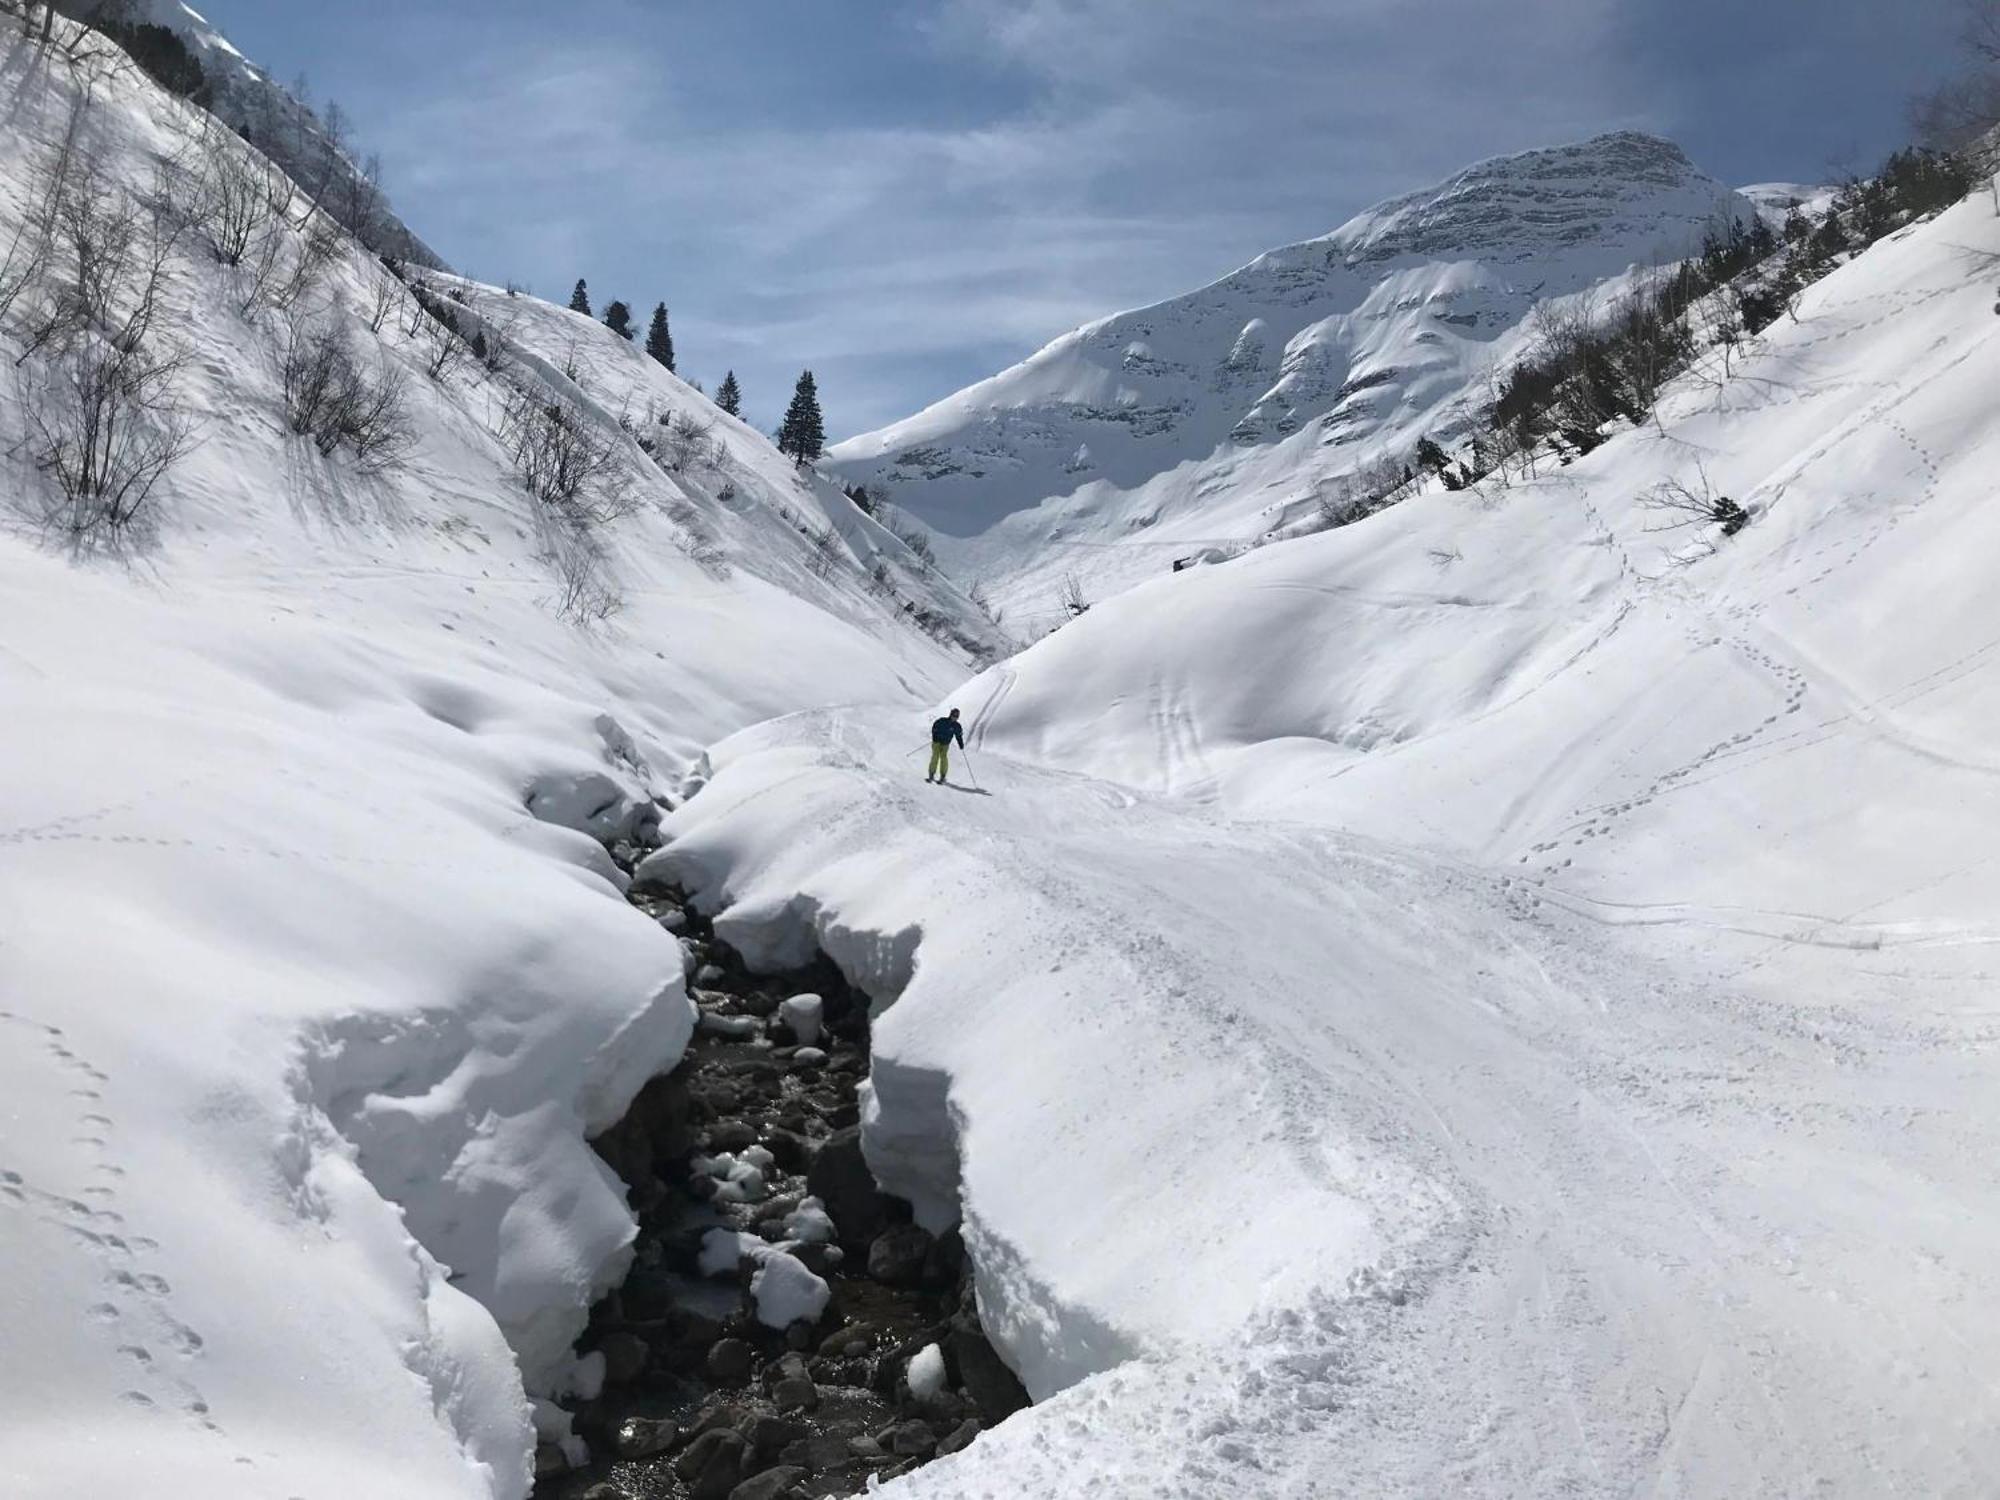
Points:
(106, 426)
(824, 552)
(913, 537)
(32, 249)
(242, 198)
(331, 399)
(385, 296)
(288, 267)
(571, 467)
(443, 348)
(585, 594)
(1696, 504)
(683, 440)
(1071, 596)
(1347, 498)
(104, 254)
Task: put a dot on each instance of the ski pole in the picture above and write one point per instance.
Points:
(969, 771)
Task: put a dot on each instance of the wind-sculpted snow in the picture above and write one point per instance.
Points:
(1490, 1001)
(1214, 417)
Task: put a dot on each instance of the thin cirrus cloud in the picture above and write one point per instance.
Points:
(905, 195)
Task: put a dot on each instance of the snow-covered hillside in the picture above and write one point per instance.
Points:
(1492, 1000)
(316, 972)
(1212, 419)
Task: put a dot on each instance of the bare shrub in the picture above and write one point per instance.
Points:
(1698, 504)
(824, 552)
(330, 398)
(104, 255)
(241, 196)
(106, 426)
(1071, 596)
(683, 441)
(438, 331)
(570, 465)
(385, 296)
(585, 594)
(33, 246)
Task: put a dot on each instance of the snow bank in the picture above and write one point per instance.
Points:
(317, 974)
(1489, 1001)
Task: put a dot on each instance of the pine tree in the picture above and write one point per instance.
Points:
(659, 341)
(804, 433)
(729, 395)
(618, 318)
(579, 300)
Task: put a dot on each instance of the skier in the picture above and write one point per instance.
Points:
(943, 732)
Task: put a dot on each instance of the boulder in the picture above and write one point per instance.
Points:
(626, 1356)
(960, 1437)
(816, 1454)
(730, 1362)
(790, 1150)
(795, 1393)
(911, 1439)
(840, 1179)
(769, 1435)
(994, 1388)
(898, 1254)
(713, 1464)
(769, 1485)
(644, 1437)
(731, 1135)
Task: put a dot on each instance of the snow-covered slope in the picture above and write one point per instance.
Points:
(1494, 1000)
(314, 973)
(1212, 418)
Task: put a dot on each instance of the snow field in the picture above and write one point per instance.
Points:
(1488, 1001)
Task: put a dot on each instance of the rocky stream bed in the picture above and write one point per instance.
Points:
(786, 1330)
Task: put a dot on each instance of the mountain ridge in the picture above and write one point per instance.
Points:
(1358, 341)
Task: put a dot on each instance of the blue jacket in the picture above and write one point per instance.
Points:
(945, 730)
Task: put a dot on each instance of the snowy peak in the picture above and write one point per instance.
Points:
(1624, 190)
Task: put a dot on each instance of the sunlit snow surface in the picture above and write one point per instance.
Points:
(304, 1012)
(1494, 1000)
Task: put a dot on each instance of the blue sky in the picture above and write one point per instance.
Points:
(907, 195)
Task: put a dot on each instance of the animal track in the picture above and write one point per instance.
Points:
(155, 1347)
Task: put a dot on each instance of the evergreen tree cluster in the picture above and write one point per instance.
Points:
(618, 318)
(164, 57)
(803, 433)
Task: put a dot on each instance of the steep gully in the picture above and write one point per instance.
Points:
(786, 1330)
